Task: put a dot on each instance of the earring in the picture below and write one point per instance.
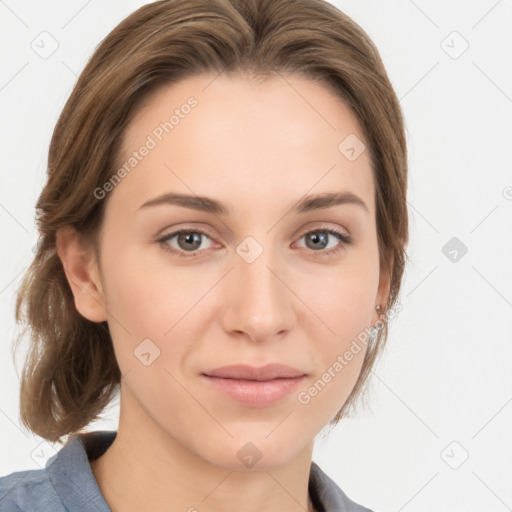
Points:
(374, 330)
(380, 311)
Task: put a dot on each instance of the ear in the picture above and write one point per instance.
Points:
(382, 293)
(82, 273)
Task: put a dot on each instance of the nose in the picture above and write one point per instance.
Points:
(258, 300)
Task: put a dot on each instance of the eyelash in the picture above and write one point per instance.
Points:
(343, 238)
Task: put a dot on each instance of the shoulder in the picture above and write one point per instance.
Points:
(28, 490)
(327, 492)
(65, 483)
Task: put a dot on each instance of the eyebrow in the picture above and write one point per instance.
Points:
(208, 205)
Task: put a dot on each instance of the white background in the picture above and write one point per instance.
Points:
(446, 374)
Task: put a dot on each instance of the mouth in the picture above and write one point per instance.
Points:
(253, 386)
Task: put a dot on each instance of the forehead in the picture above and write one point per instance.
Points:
(281, 137)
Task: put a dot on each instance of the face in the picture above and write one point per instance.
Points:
(254, 274)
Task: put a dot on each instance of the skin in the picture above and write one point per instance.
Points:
(257, 147)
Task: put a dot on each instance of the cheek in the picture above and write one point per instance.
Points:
(143, 295)
(151, 300)
(340, 302)
(337, 320)
(339, 350)
(134, 300)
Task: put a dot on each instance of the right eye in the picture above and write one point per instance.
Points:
(189, 240)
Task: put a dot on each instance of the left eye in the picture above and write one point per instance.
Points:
(321, 237)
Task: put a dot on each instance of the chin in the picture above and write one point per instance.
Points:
(253, 452)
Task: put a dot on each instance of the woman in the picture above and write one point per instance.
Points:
(267, 136)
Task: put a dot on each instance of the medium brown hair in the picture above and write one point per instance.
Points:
(71, 373)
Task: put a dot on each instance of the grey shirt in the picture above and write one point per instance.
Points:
(67, 484)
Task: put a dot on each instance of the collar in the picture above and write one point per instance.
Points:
(74, 481)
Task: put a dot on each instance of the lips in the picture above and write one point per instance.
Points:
(246, 372)
(253, 386)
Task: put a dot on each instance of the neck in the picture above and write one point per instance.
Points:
(175, 478)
